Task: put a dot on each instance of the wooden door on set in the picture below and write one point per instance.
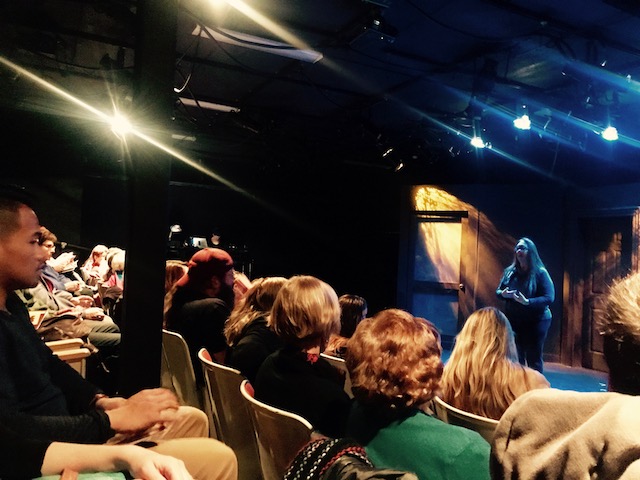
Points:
(608, 247)
(435, 270)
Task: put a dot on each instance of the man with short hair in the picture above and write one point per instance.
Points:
(45, 399)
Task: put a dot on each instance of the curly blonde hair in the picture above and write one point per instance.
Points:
(482, 375)
(306, 312)
(394, 361)
(257, 302)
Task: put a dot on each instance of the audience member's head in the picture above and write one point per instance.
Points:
(620, 326)
(210, 272)
(353, 309)
(256, 303)
(110, 255)
(48, 241)
(174, 271)
(13, 199)
(306, 312)
(21, 256)
(118, 261)
(98, 253)
(479, 376)
(394, 360)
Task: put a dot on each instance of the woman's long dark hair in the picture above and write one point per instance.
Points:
(535, 265)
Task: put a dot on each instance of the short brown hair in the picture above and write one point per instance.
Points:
(46, 235)
(306, 311)
(394, 360)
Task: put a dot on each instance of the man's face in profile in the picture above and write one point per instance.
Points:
(21, 257)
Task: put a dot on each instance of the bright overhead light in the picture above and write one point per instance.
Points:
(120, 125)
(207, 105)
(257, 43)
(478, 142)
(610, 133)
(523, 122)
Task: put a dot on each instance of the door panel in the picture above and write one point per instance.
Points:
(608, 243)
(435, 281)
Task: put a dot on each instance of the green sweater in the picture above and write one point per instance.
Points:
(422, 444)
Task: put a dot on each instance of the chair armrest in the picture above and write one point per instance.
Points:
(73, 354)
(66, 344)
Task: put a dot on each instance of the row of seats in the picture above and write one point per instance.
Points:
(265, 439)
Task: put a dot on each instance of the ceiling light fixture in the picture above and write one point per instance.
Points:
(477, 142)
(120, 125)
(610, 134)
(523, 122)
(252, 42)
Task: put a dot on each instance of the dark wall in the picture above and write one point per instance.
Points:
(345, 236)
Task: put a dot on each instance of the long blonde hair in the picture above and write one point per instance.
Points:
(482, 375)
(256, 303)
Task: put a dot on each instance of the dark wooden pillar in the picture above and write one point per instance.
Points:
(148, 197)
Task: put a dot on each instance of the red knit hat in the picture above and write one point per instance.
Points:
(204, 264)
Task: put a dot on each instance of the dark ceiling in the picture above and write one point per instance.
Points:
(409, 77)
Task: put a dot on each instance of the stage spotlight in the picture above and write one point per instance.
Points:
(477, 142)
(523, 122)
(610, 133)
(120, 125)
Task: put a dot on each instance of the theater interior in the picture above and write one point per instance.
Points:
(334, 139)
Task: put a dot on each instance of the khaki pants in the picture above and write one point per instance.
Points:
(186, 438)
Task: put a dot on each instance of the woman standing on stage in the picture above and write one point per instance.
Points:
(528, 291)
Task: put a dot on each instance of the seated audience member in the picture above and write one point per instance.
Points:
(115, 276)
(296, 378)
(572, 435)
(483, 375)
(199, 304)
(394, 362)
(48, 401)
(620, 327)
(174, 270)
(23, 457)
(95, 268)
(249, 335)
(51, 271)
(103, 332)
(352, 310)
